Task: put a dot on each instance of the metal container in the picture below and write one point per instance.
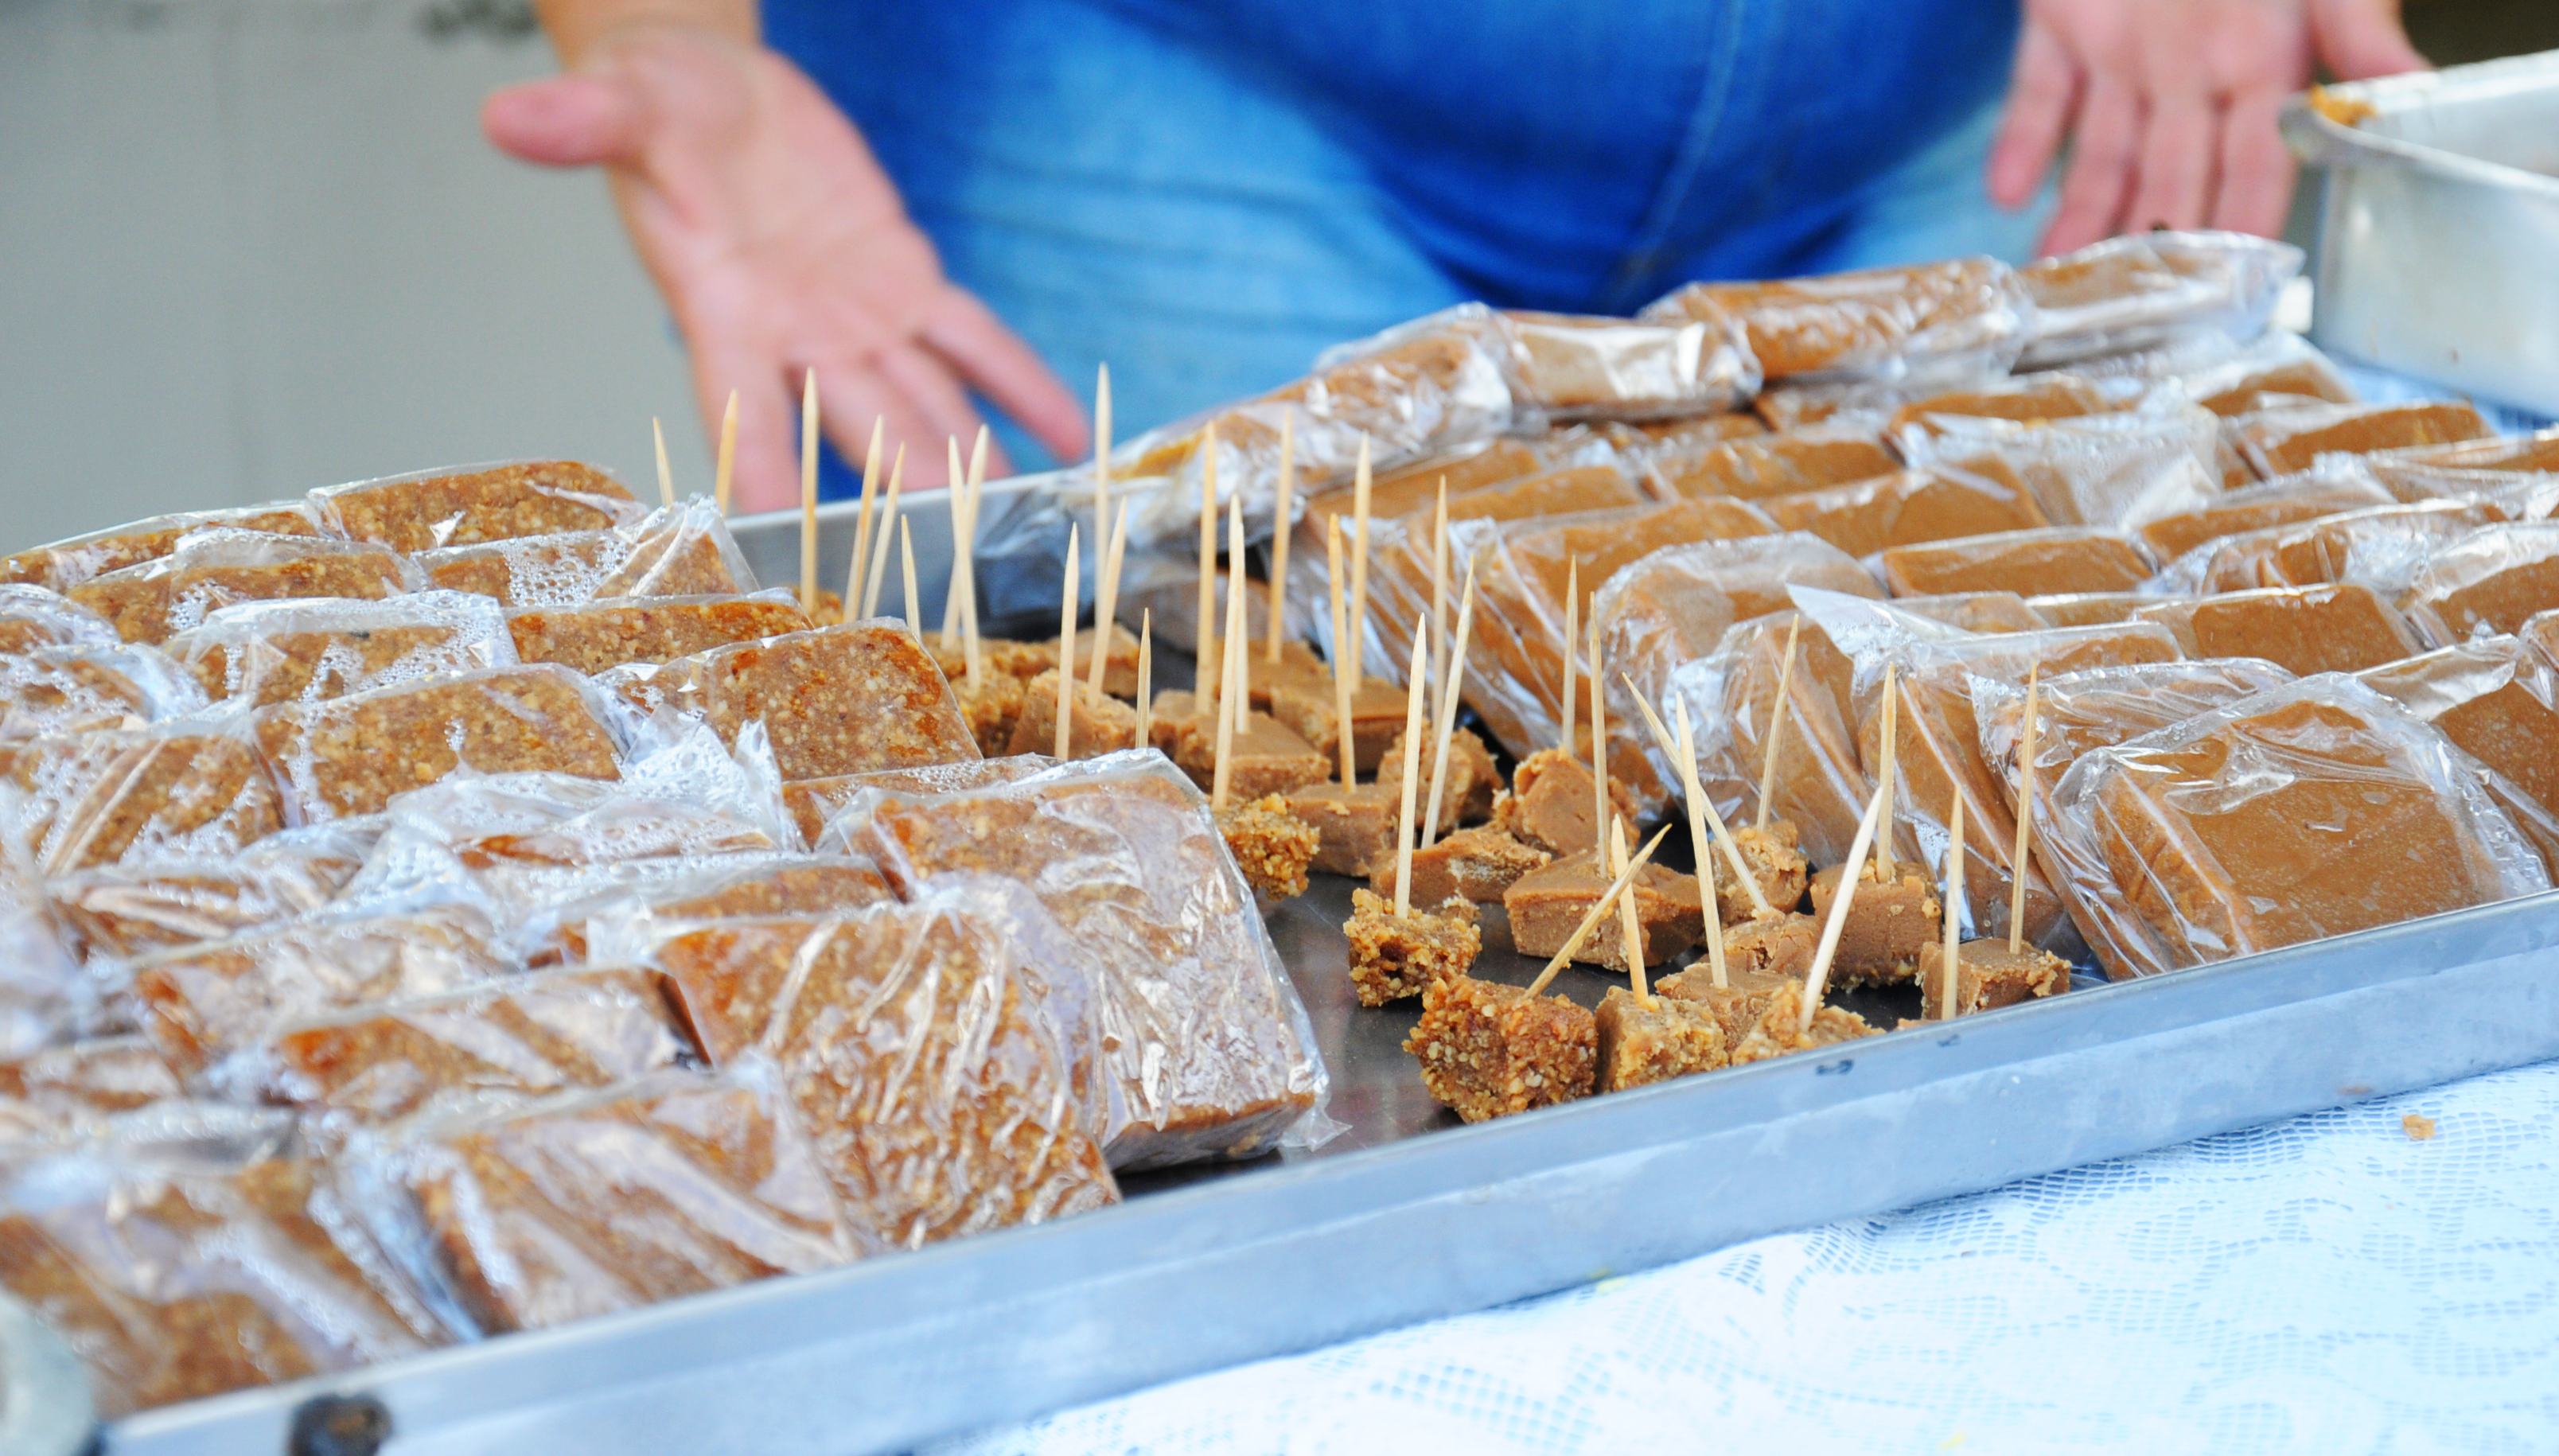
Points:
(2437, 247)
(1409, 1214)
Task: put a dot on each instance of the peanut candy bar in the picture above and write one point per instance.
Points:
(467, 508)
(1489, 1049)
(141, 795)
(595, 636)
(1393, 959)
(349, 756)
(836, 700)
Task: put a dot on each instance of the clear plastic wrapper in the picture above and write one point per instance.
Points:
(836, 700)
(74, 1086)
(179, 792)
(924, 1057)
(33, 617)
(122, 911)
(2080, 712)
(42, 994)
(2024, 399)
(351, 755)
(2331, 488)
(1574, 367)
(2344, 627)
(259, 654)
(2029, 562)
(204, 1002)
(2314, 809)
(2537, 454)
(210, 570)
(724, 887)
(2112, 469)
(2090, 609)
(592, 637)
(183, 1256)
(78, 689)
(1575, 488)
(2498, 701)
(1957, 317)
(2291, 437)
(466, 506)
(2282, 364)
(678, 551)
(1788, 463)
(1904, 509)
(2380, 546)
(815, 803)
(473, 1052)
(1977, 611)
(67, 563)
(2143, 290)
(1203, 1032)
(2490, 581)
(593, 1203)
(1731, 697)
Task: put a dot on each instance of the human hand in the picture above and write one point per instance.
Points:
(2171, 106)
(781, 247)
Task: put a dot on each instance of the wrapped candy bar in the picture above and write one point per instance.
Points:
(2143, 290)
(2027, 399)
(350, 755)
(179, 792)
(1571, 366)
(2083, 609)
(595, 636)
(42, 994)
(678, 551)
(2343, 627)
(121, 911)
(1733, 696)
(2027, 562)
(214, 570)
(2080, 712)
(2497, 700)
(624, 904)
(2380, 547)
(263, 653)
(2281, 364)
(66, 564)
(2536, 453)
(2312, 810)
(1962, 316)
(2291, 438)
(1983, 611)
(465, 507)
(33, 617)
(50, 690)
(174, 1281)
(1205, 1036)
(2490, 581)
(1906, 507)
(1755, 467)
(2327, 488)
(596, 1201)
(2103, 469)
(834, 700)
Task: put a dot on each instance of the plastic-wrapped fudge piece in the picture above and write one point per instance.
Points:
(1982, 611)
(478, 1050)
(2102, 470)
(596, 1201)
(53, 690)
(1731, 694)
(177, 1281)
(594, 636)
(130, 910)
(2099, 707)
(201, 1002)
(67, 563)
(2314, 809)
(1755, 467)
(721, 887)
(42, 994)
(2291, 438)
(2083, 609)
(310, 651)
(1906, 507)
(1675, 605)
(160, 598)
(33, 617)
(1575, 367)
(350, 755)
(2279, 365)
(2027, 399)
(2340, 628)
(1964, 315)
(468, 506)
(2490, 581)
(179, 792)
(678, 551)
(2381, 546)
(2027, 562)
(834, 700)
(1204, 1033)
(815, 803)
(1551, 493)
(2143, 290)
(937, 1078)
(2495, 698)
(2324, 490)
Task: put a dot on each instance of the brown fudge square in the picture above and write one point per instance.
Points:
(1551, 802)
(55, 690)
(1889, 924)
(1546, 905)
(537, 571)
(993, 706)
(1100, 725)
(2495, 698)
(834, 700)
(1777, 867)
(1489, 1049)
(2027, 562)
(1271, 846)
(1377, 719)
(1655, 1039)
(2488, 581)
(348, 756)
(1268, 759)
(1176, 712)
(1987, 977)
(1119, 659)
(1354, 828)
(1776, 1033)
(1393, 959)
(2342, 627)
(1468, 796)
(1478, 864)
(599, 634)
(2287, 440)
(66, 564)
(1738, 1005)
(466, 509)
(1306, 709)
(1779, 945)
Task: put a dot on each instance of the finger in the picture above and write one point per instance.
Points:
(2094, 191)
(925, 378)
(2357, 39)
(850, 396)
(2180, 148)
(2040, 101)
(767, 468)
(576, 120)
(995, 360)
(2256, 190)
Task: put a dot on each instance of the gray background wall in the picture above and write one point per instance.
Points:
(250, 247)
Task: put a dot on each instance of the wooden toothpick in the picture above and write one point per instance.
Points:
(1360, 482)
(1571, 629)
(1145, 677)
(862, 526)
(964, 564)
(1777, 715)
(1439, 601)
(1206, 647)
(1705, 861)
(914, 603)
(1235, 697)
(1448, 700)
(1412, 776)
(727, 474)
(1598, 737)
(809, 492)
(1598, 911)
(1101, 448)
(2025, 815)
(1106, 601)
(1954, 887)
(1629, 924)
(1884, 779)
(1281, 530)
(666, 471)
(1065, 645)
(1340, 664)
(1838, 920)
(1699, 804)
(876, 574)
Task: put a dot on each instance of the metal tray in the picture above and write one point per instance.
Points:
(2438, 222)
(1407, 1214)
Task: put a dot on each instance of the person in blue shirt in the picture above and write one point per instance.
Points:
(941, 203)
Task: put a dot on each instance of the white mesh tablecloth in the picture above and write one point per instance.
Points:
(2328, 1284)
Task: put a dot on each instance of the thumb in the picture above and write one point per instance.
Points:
(573, 120)
(2357, 39)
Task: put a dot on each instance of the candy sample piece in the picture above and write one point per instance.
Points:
(1777, 1035)
(1738, 1005)
(595, 636)
(128, 909)
(1790, 463)
(1654, 1040)
(598, 1202)
(993, 706)
(1547, 905)
(1465, 794)
(1095, 725)
(1575, 367)
(2343, 627)
(1267, 759)
(834, 700)
(265, 653)
(1889, 923)
(1354, 828)
(2490, 581)
(1392, 958)
(2027, 562)
(158, 599)
(1905, 508)
(1119, 660)
(1478, 864)
(2145, 290)
(1270, 844)
(1777, 867)
(2288, 500)
(140, 795)
(67, 563)
(2282, 441)
(420, 513)
(1878, 323)
(50, 690)
(1489, 1049)
(1987, 976)
(351, 755)
(1553, 803)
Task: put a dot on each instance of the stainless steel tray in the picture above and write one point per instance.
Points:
(2439, 227)
(1407, 1214)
